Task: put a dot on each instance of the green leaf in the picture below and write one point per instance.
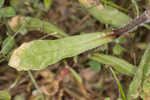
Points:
(120, 65)
(28, 24)
(106, 14)
(39, 54)
(118, 49)
(141, 75)
(2, 3)
(7, 12)
(47, 3)
(4, 95)
(7, 45)
(95, 65)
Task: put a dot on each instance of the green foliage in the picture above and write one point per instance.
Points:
(25, 24)
(106, 14)
(95, 65)
(118, 49)
(7, 12)
(2, 3)
(8, 45)
(142, 75)
(51, 51)
(4, 95)
(120, 65)
(47, 3)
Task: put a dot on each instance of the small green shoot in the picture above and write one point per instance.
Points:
(118, 49)
(96, 66)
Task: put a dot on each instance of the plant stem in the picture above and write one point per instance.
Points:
(34, 83)
(119, 85)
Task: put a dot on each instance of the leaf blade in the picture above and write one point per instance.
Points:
(106, 14)
(141, 74)
(30, 23)
(119, 64)
(51, 51)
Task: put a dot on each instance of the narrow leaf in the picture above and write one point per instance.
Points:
(120, 65)
(29, 23)
(7, 45)
(39, 54)
(141, 74)
(106, 14)
(146, 75)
